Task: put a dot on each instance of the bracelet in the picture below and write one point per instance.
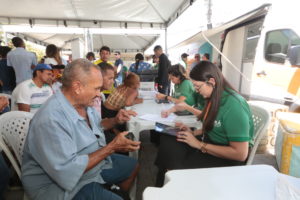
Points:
(203, 147)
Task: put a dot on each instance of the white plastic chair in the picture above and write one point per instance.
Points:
(13, 131)
(261, 119)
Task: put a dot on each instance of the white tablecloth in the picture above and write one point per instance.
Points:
(136, 125)
(254, 182)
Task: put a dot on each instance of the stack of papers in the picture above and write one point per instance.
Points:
(157, 118)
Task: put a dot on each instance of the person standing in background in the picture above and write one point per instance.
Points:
(7, 73)
(119, 68)
(90, 56)
(164, 64)
(53, 56)
(205, 57)
(197, 60)
(104, 56)
(184, 59)
(139, 64)
(21, 60)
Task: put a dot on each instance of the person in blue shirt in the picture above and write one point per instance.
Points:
(119, 67)
(65, 154)
(139, 64)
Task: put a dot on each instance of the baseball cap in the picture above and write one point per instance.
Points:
(42, 66)
(117, 53)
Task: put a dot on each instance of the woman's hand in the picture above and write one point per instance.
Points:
(165, 113)
(189, 138)
(182, 126)
(160, 96)
(180, 106)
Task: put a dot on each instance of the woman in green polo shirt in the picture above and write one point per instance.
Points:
(227, 128)
(183, 88)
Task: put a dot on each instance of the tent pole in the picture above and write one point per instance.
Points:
(166, 40)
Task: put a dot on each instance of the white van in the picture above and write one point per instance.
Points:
(259, 53)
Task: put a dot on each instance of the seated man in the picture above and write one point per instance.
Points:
(65, 154)
(31, 94)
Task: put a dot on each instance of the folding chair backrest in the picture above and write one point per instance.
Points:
(14, 127)
(261, 119)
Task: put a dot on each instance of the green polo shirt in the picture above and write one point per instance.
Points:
(234, 121)
(185, 88)
(199, 100)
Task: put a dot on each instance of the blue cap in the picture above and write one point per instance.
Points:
(42, 66)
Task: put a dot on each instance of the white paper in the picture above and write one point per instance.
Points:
(147, 94)
(157, 118)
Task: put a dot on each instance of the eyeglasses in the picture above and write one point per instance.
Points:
(198, 87)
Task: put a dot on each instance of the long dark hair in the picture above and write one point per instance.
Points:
(203, 71)
(138, 58)
(177, 71)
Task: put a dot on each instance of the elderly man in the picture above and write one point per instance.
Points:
(65, 154)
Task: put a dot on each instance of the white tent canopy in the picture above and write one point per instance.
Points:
(118, 16)
(199, 38)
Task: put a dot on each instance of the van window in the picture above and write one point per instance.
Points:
(277, 44)
(252, 36)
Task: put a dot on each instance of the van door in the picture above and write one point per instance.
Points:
(252, 35)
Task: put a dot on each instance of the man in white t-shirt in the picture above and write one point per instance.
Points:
(30, 95)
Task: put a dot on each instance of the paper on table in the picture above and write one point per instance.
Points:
(147, 94)
(157, 118)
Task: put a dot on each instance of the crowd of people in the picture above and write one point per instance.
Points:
(76, 147)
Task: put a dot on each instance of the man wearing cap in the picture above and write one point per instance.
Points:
(31, 94)
(119, 67)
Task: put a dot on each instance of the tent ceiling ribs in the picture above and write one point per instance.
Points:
(74, 9)
(155, 9)
(92, 23)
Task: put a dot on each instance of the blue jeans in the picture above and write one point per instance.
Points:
(123, 167)
(4, 176)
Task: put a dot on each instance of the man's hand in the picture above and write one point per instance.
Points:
(124, 116)
(3, 102)
(122, 144)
